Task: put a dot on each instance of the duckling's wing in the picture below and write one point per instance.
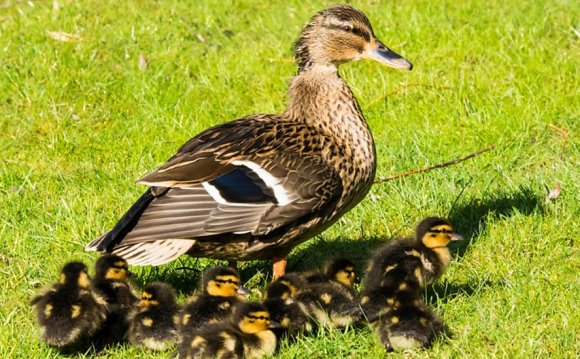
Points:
(243, 180)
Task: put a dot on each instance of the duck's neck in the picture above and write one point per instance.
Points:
(320, 98)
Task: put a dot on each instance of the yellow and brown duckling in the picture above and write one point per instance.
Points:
(154, 324)
(405, 265)
(256, 187)
(338, 270)
(291, 314)
(246, 335)
(221, 291)
(112, 283)
(409, 324)
(68, 312)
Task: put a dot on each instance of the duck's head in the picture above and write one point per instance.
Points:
(435, 232)
(75, 274)
(341, 270)
(158, 294)
(110, 266)
(252, 318)
(222, 282)
(340, 34)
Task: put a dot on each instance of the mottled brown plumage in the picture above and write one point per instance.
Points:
(256, 187)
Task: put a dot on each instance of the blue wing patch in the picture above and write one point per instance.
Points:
(242, 185)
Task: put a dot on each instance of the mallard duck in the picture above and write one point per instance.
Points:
(68, 312)
(112, 283)
(220, 293)
(405, 265)
(408, 324)
(154, 325)
(247, 335)
(256, 187)
(291, 314)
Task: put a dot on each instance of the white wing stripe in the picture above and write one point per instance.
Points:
(283, 197)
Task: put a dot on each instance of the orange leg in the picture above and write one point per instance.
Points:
(279, 267)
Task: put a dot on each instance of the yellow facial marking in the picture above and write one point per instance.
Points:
(423, 321)
(255, 322)
(394, 320)
(438, 236)
(75, 311)
(116, 274)
(292, 288)
(364, 300)
(48, 310)
(223, 286)
(326, 298)
(390, 301)
(346, 276)
(84, 280)
(403, 286)
(224, 305)
(62, 279)
(148, 322)
(185, 319)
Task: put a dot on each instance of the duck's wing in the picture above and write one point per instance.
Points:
(239, 179)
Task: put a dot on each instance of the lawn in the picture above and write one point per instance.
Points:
(82, 119)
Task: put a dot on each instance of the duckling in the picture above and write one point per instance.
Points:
(410, 324)
(112, 282)
(330, 303)
(247, 335)
(391, 296)
(221, 292)
(154, 325)
(339, 270)
(258, 186)
(406, 265)
(68, 312)
(289, 313)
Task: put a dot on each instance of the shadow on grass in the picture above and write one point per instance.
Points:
(443, 292)
(471, 218)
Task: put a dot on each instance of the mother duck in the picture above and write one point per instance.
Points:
(256, 187)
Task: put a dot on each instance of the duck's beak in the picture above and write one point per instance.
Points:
(456, 237)
(379, 52)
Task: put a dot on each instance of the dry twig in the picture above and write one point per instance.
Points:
(439, 165)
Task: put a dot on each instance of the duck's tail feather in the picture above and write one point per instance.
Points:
(109, 240)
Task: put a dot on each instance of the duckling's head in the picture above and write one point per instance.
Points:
(110, 266)
(341, 34)
(158, 294)
(280, 289)
(435, 232)
(252, 318)
(341, 270)
(221, 282)
(75, 274)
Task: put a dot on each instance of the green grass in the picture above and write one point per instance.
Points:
(80, 123)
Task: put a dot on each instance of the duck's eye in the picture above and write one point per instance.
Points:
(346, 27)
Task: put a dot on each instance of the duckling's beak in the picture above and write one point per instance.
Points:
(274, 325)
(456, 237)
(243, 291)
(386, 56)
